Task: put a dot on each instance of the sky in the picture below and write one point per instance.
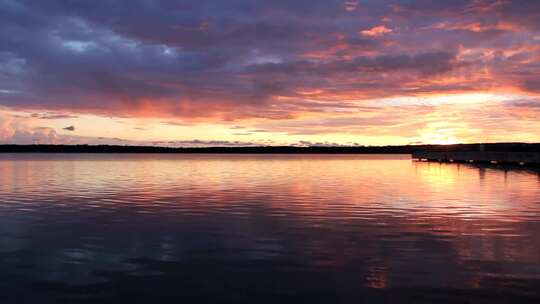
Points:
(280, 72)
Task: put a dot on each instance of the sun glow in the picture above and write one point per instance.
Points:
(440, 136)
(445, 141)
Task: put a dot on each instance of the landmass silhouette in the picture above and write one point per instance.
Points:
(398, 149)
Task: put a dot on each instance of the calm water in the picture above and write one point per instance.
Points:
(265, 229)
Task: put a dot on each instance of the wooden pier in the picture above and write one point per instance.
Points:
(504, 158)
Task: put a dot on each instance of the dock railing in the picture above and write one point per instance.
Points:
(517, 158)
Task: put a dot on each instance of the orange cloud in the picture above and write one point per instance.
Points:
(376, 31)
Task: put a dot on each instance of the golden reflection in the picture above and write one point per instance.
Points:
(377, 277)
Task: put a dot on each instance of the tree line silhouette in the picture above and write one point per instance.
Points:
(403, 149)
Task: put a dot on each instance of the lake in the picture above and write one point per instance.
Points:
(145, 228)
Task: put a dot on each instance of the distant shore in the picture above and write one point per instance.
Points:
(403, 149)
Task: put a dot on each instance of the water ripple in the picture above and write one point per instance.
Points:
(331, 228)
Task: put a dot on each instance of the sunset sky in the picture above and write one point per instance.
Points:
(269, 72)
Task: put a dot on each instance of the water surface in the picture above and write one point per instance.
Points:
(265, 229)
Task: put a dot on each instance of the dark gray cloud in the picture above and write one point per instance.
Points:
(424, 63)
(53, 116)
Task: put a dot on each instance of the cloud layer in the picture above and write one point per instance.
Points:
(220, 61)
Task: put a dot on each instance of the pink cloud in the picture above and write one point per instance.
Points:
(376, 31)
(19, 130)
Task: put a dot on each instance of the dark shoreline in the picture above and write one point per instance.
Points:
(406, 149)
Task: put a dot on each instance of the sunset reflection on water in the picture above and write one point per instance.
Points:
(288, 227)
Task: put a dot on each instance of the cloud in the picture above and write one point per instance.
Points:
(350, 5)
(53, 116)
(425, 63)
(20, 130)
(376, 31)
(307, 143)
(176, 123)
(220, 61)
(206, 143)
